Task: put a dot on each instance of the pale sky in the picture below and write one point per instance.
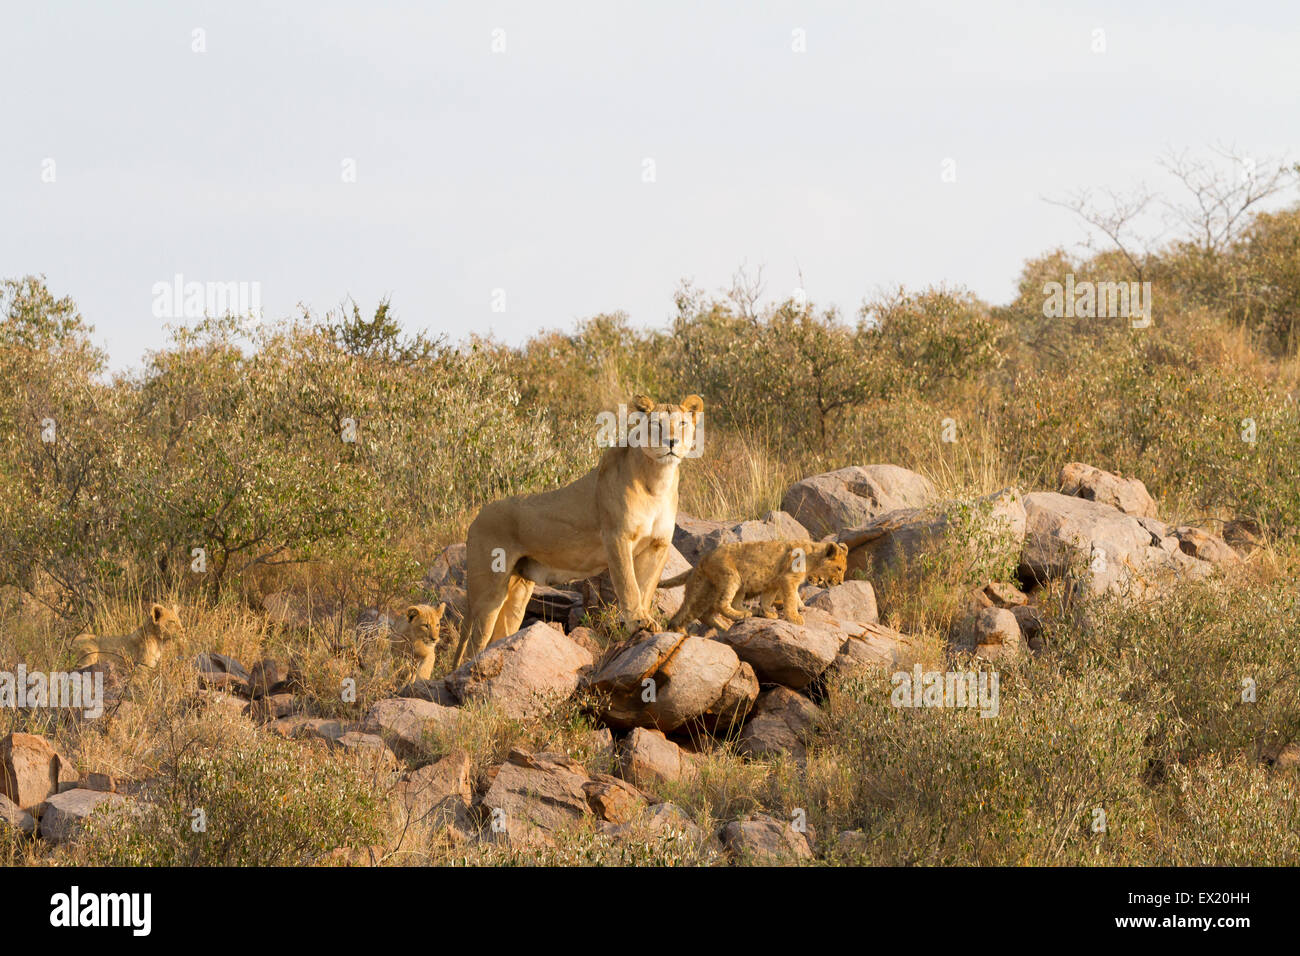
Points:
(523, 170)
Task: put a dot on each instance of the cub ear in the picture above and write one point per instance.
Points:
(830, 549)
(643, 403)
(693, 404)
(842, 549)
(412, 613)
(442, 609)
(156, 612)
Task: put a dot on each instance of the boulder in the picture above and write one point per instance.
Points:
(782, 652)
(851, 601)
(849, 497)
(648, 759)
(406, 723)
(779, 724)
(763, 840)
(613, 800)
(270, 707)
(530, 797)
(370, 747)
(696, 537)
(30, 769)
(1243, 535)
(439, 793)
(900, 536)
(993, 632)
(668, 680)
(434, 690)
(268, 676)
(63, 815)
(525, 674)
(1205, 546)
(1128, 495)
(1117, 552)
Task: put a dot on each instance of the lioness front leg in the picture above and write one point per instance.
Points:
(622, 573)
(649, 568)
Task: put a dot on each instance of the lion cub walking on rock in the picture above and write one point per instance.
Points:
(416, 637)
(142, 646)
(770, 570)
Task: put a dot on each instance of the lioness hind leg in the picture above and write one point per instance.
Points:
(518, 592)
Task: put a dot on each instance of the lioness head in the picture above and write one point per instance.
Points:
(827, 564)
(164, 623)
(671, 434)
(418, 629)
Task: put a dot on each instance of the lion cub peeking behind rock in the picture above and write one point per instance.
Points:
(416, 637)
(770, 570)
(142, 646)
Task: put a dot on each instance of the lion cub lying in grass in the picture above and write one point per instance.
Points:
(416, 637)
(142, 646)
(771, 570)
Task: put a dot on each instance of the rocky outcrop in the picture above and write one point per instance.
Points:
(1128, 495)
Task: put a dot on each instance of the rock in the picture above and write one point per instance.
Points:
(850, 601)
(648, 759)
(100, 781)
(268, 676)
(406, 723)
(447, 569)
(434, 690)
(900, 536)
(992, 627)
(439, 793)
(1128, 495)
(531, 797)
(1205, 546)
(271, 706)
(878, 646)
(779, 724)
(587, 638)
(222, 682)
(1005, 595)
(212, 663)
(318, 728)
(763, 840)
(368, 746)
(598, 745)
(830, 502)
(14, 818)
(667, 680)
(782, 652)
(63, 815)
(524, 674)
(1116, 552)
(1030, 621)
(696, 537)
(228, 705)
(30, 769)
(613, 800)
(1243, 535)
(661, 820)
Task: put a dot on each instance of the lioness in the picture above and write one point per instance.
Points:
(771, 570)
(618, 516)
(416, 637)
(142, 646)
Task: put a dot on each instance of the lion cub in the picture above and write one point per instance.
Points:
(143, 646)
(772, 570)
(416, 637)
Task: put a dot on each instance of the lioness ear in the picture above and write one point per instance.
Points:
(157, 612)
(412, 613)
(643, 403)
(693, 404)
